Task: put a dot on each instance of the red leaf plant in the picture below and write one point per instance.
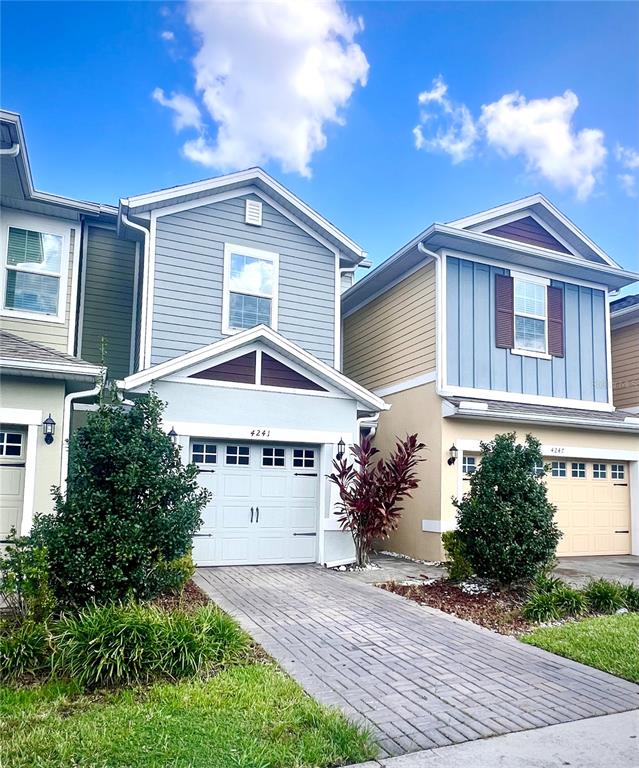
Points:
(371, 491)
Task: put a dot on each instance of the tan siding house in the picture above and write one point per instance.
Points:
(625, 352)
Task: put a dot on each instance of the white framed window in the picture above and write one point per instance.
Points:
(599, 471)
(11, 443)
(558, 469)
(273, 457)
(578, 469)
(237, 455)
(250, 293)
(617, 472)
(204, 453)
(469, 465)
(530, 314)
(35, 261)
(303, 458)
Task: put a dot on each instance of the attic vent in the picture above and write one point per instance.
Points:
(253, 213)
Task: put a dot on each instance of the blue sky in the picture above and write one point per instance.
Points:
(101, 85)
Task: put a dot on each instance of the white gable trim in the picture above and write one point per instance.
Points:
(240, 340)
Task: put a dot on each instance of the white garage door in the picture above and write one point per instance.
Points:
(13, 444)
(265, 506)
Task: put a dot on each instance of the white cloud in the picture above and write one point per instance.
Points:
(540, 131)
(272, 76)
(186, 113)
(167, 35)
(628, 183)
(627, 156)
(444, 126)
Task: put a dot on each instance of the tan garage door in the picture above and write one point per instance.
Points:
(593, 506)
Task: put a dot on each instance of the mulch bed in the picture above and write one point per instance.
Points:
(499, 611)
(189, 599)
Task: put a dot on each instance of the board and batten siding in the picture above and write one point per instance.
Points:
(53, 335)
(625, 366)
(189, 271)
(392, 338)
(474, 360)
(109, 276)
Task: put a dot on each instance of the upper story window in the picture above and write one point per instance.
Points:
(250, 288)
(530, 315)
(35, 263)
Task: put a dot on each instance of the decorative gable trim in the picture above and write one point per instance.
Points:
(274, 373)
(527, 229)
(241, 370)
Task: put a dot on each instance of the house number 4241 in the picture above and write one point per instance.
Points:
(260, 433)
(557, 449)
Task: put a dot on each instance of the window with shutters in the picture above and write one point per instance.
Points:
(35, 255)
(250, 288)
(530, 315)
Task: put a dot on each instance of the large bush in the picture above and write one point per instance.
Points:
(24, 579)
(505, 521)
(130, 510)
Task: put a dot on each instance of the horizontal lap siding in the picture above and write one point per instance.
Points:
(625, 366)
(108, 300)
(189, 273)
(474, 360)
(393, 337)
(54, 335)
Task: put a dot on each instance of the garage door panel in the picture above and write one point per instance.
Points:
(304, 486)
(234, 516)
(236, 485)
(304, 517)
(273, 516)
(299, 548)
(273, 486)
(235, 549)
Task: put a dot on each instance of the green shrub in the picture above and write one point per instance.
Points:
(457, 563)
(175, 574)
(505, 521)
(24, 649)
(131, 507)
(548, 584)
(124, 644)
(541, 606)
(630, 597)
(24, 579)
(604, 596)
(570, 602)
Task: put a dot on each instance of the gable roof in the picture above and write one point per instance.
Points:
(269, 338)
(544, 212)
(20, 356)
(624, 311)
(254, 180)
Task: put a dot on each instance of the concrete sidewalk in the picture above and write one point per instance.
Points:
(611, 740)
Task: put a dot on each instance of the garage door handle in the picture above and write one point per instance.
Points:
(625, 485)
(305, 474)
(305, 534)
(622, 531)
(257, 518)
(19, 464)
(251, 514)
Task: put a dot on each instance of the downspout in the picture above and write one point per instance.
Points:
(66, 425)
(439, 327)
(145, 286)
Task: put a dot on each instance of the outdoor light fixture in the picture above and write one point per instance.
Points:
(453, 454)
(341, 447)
(48, 429)
(173, 435)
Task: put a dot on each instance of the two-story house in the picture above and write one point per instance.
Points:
(624, 324)
(225, 297)
(499, 322)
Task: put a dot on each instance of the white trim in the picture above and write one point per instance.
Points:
(48, 225)
(150, 293)
(271, 338)
(22, 416)
(515, 397)
(529, 277)
(242, 434)
(134, 311)
(231, 249)
(79, 369)
(438, 526)
(548, 418)
(523, 204)
(247, 176)
(608, 349)
(561, 452)
(401, 386)
(83, 288)
(532, 353)
(73, 312)
(337, 316)
(258, 367)
(633, 481)
(254, 387)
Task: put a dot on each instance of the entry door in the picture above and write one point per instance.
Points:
(265, 506)
(13, 446)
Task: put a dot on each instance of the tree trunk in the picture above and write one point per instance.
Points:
(361, 552)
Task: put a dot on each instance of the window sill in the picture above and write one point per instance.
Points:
(20, 314)
(531, 353)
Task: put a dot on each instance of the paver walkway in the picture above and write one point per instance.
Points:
(418, 678)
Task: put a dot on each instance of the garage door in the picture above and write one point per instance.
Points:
(593, 506)
(13, 444)
(265, 506)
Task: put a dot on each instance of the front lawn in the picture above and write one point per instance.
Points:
(610, 643)
(247, 716)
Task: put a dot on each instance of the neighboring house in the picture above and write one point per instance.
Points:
(494, 323)
(225, 297)
(624, 321)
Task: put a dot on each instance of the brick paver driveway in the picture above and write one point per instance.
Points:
(418, 678)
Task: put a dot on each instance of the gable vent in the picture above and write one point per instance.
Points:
(253, 213)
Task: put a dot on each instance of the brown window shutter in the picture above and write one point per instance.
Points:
(504, 312)
(555, 300)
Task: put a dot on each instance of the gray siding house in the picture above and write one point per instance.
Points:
(225, 296)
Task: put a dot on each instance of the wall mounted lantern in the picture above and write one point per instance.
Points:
(173, 435)
(453, 454)
(48, 429)
(341, 447)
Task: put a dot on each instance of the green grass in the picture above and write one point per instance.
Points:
(248, 716)
(610, 643)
